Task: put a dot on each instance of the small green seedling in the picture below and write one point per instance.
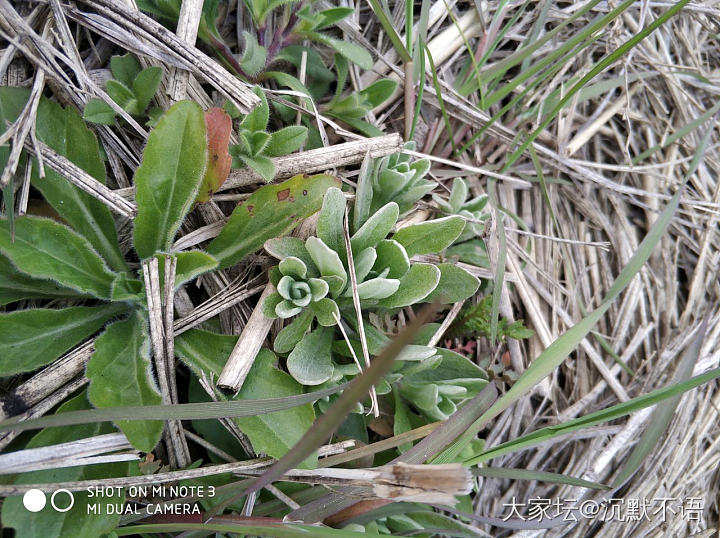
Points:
(132, 89)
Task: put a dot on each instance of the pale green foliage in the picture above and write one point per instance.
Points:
(391, 179)
(132, 89)
(385, 278)
(257, 145)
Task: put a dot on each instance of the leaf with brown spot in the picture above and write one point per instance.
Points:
(271, 211)
(219, 127)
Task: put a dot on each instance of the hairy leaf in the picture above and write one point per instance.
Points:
(36, 337)
(271, 211)
(46, 249)
(430, 237)
(310, 363)
(168, 180)
(120, 374)
(418, 282)
(15, 285)
(455, 284)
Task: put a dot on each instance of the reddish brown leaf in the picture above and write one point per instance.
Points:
(219, 126)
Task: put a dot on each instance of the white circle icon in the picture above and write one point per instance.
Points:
(68, 507)
(34, 500)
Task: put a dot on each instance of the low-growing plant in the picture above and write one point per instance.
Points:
(257, 145)
(80, 258)
(320, 278)
(132, 88)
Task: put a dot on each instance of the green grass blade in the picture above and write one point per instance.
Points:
(604, 415)
(663, 414)
(597, 69)
(189, 411)
(680, 133)
(387, 25)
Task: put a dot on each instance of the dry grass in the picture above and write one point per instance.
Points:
(553, 272)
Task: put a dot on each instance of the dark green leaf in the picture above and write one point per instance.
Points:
(168, 180)
(145, 86)
(46, 249)
(36, 337)
(65, 132)
(125, 68)
(120, 374)
(286, 141)
(98, 111)
(15, 286)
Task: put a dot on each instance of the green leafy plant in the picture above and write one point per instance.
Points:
(132, 88)
(468, 247)
(394, 178)
(83, 260)
(257, 145)
(314, 281)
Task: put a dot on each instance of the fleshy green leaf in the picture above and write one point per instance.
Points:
(98, 111)
(325, 310)
(36, 337)
(376, 288)
(391, 255)
(271, 211)
(418, 283)
(168, 180)
(328, 263)
(364, 263)
(330, 220)
(46, 249)
(430, 237)
(310, 363)
(282, 247)
(456, 284)
(290, 335)
(120, 374)
(375, 228)
(78, 522)
(286, 141)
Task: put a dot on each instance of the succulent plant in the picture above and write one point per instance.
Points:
(313, 282)
(391, 179)
(471, 210)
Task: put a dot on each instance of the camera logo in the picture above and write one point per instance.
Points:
(61, 500)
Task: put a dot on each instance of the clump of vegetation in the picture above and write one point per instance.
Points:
(336, 325)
